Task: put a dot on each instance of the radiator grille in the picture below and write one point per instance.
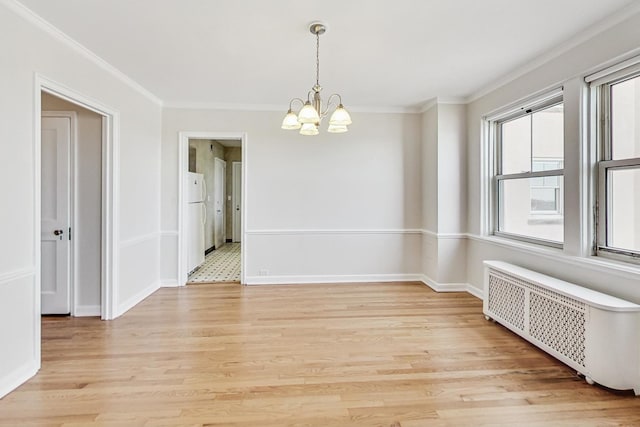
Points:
(557, 325)
(553, 319)
(506, 299)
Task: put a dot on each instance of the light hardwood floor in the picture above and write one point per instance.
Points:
(311, 355)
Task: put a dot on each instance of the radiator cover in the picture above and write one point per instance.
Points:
(596, 334)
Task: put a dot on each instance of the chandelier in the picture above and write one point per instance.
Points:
(312, 112)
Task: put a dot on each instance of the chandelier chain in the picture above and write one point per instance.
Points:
(318, 59)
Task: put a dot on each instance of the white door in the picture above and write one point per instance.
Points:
(55, 245)
(236, 215)
(219, 186)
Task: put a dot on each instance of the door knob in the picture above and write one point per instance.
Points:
(58, 232)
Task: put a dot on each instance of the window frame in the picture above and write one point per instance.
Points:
(600, 87)
(541, 102)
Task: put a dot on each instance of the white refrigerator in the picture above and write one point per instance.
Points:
(196, 190)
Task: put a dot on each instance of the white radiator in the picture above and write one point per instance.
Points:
(596, 334)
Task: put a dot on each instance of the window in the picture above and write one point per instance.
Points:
(617, 104)
(529, 169)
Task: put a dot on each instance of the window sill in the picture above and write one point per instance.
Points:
(518, 244)
(533, 242)
(545, 219)
(609, 266)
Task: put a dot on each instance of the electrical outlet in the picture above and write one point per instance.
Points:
(263, 272)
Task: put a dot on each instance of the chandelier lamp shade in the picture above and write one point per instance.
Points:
(312, 111)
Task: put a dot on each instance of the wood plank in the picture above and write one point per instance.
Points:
(372, 354)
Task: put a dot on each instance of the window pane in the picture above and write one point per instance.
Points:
(544, 200)
(624, 209)
(548, 134)
(537, 182)
(516, 145)
(546, 164)
(516, 216)
(625, 119)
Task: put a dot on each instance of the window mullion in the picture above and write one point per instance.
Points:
(622, 163)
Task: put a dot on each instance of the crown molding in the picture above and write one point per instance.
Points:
(427, 105)
(30, 16)
(186, 105)
(384, 110)
(452, 100)
(272, 107)
(440, 100)
(562, 48)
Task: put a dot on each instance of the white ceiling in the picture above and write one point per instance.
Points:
(376, 54)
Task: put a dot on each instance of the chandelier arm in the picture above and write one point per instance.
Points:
(295, 99)
(309, 96)
(329, 102)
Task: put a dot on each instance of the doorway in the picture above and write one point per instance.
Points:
(213, 156)
(90, 222)
(219, 203)
(236, 201)
(71, 193)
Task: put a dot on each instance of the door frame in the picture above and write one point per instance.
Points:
(220, 163)
(236, 235)
(72, 204)
(110, 194)
(183, 168)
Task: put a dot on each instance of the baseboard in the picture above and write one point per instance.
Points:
(169, 283)
(443, 287)
(359, 278)
(87, 311)
(18, 377)
(452, 287)
(347, 278)
(208, 251)
(476, 292)
(137, 298)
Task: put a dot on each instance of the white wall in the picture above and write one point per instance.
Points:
(569, 264)
(429, 174)
(335, 207)
(452, 161)
(430, 169)
(444, 196)
(27, 50)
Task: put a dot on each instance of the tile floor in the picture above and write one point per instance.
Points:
(220, 265)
